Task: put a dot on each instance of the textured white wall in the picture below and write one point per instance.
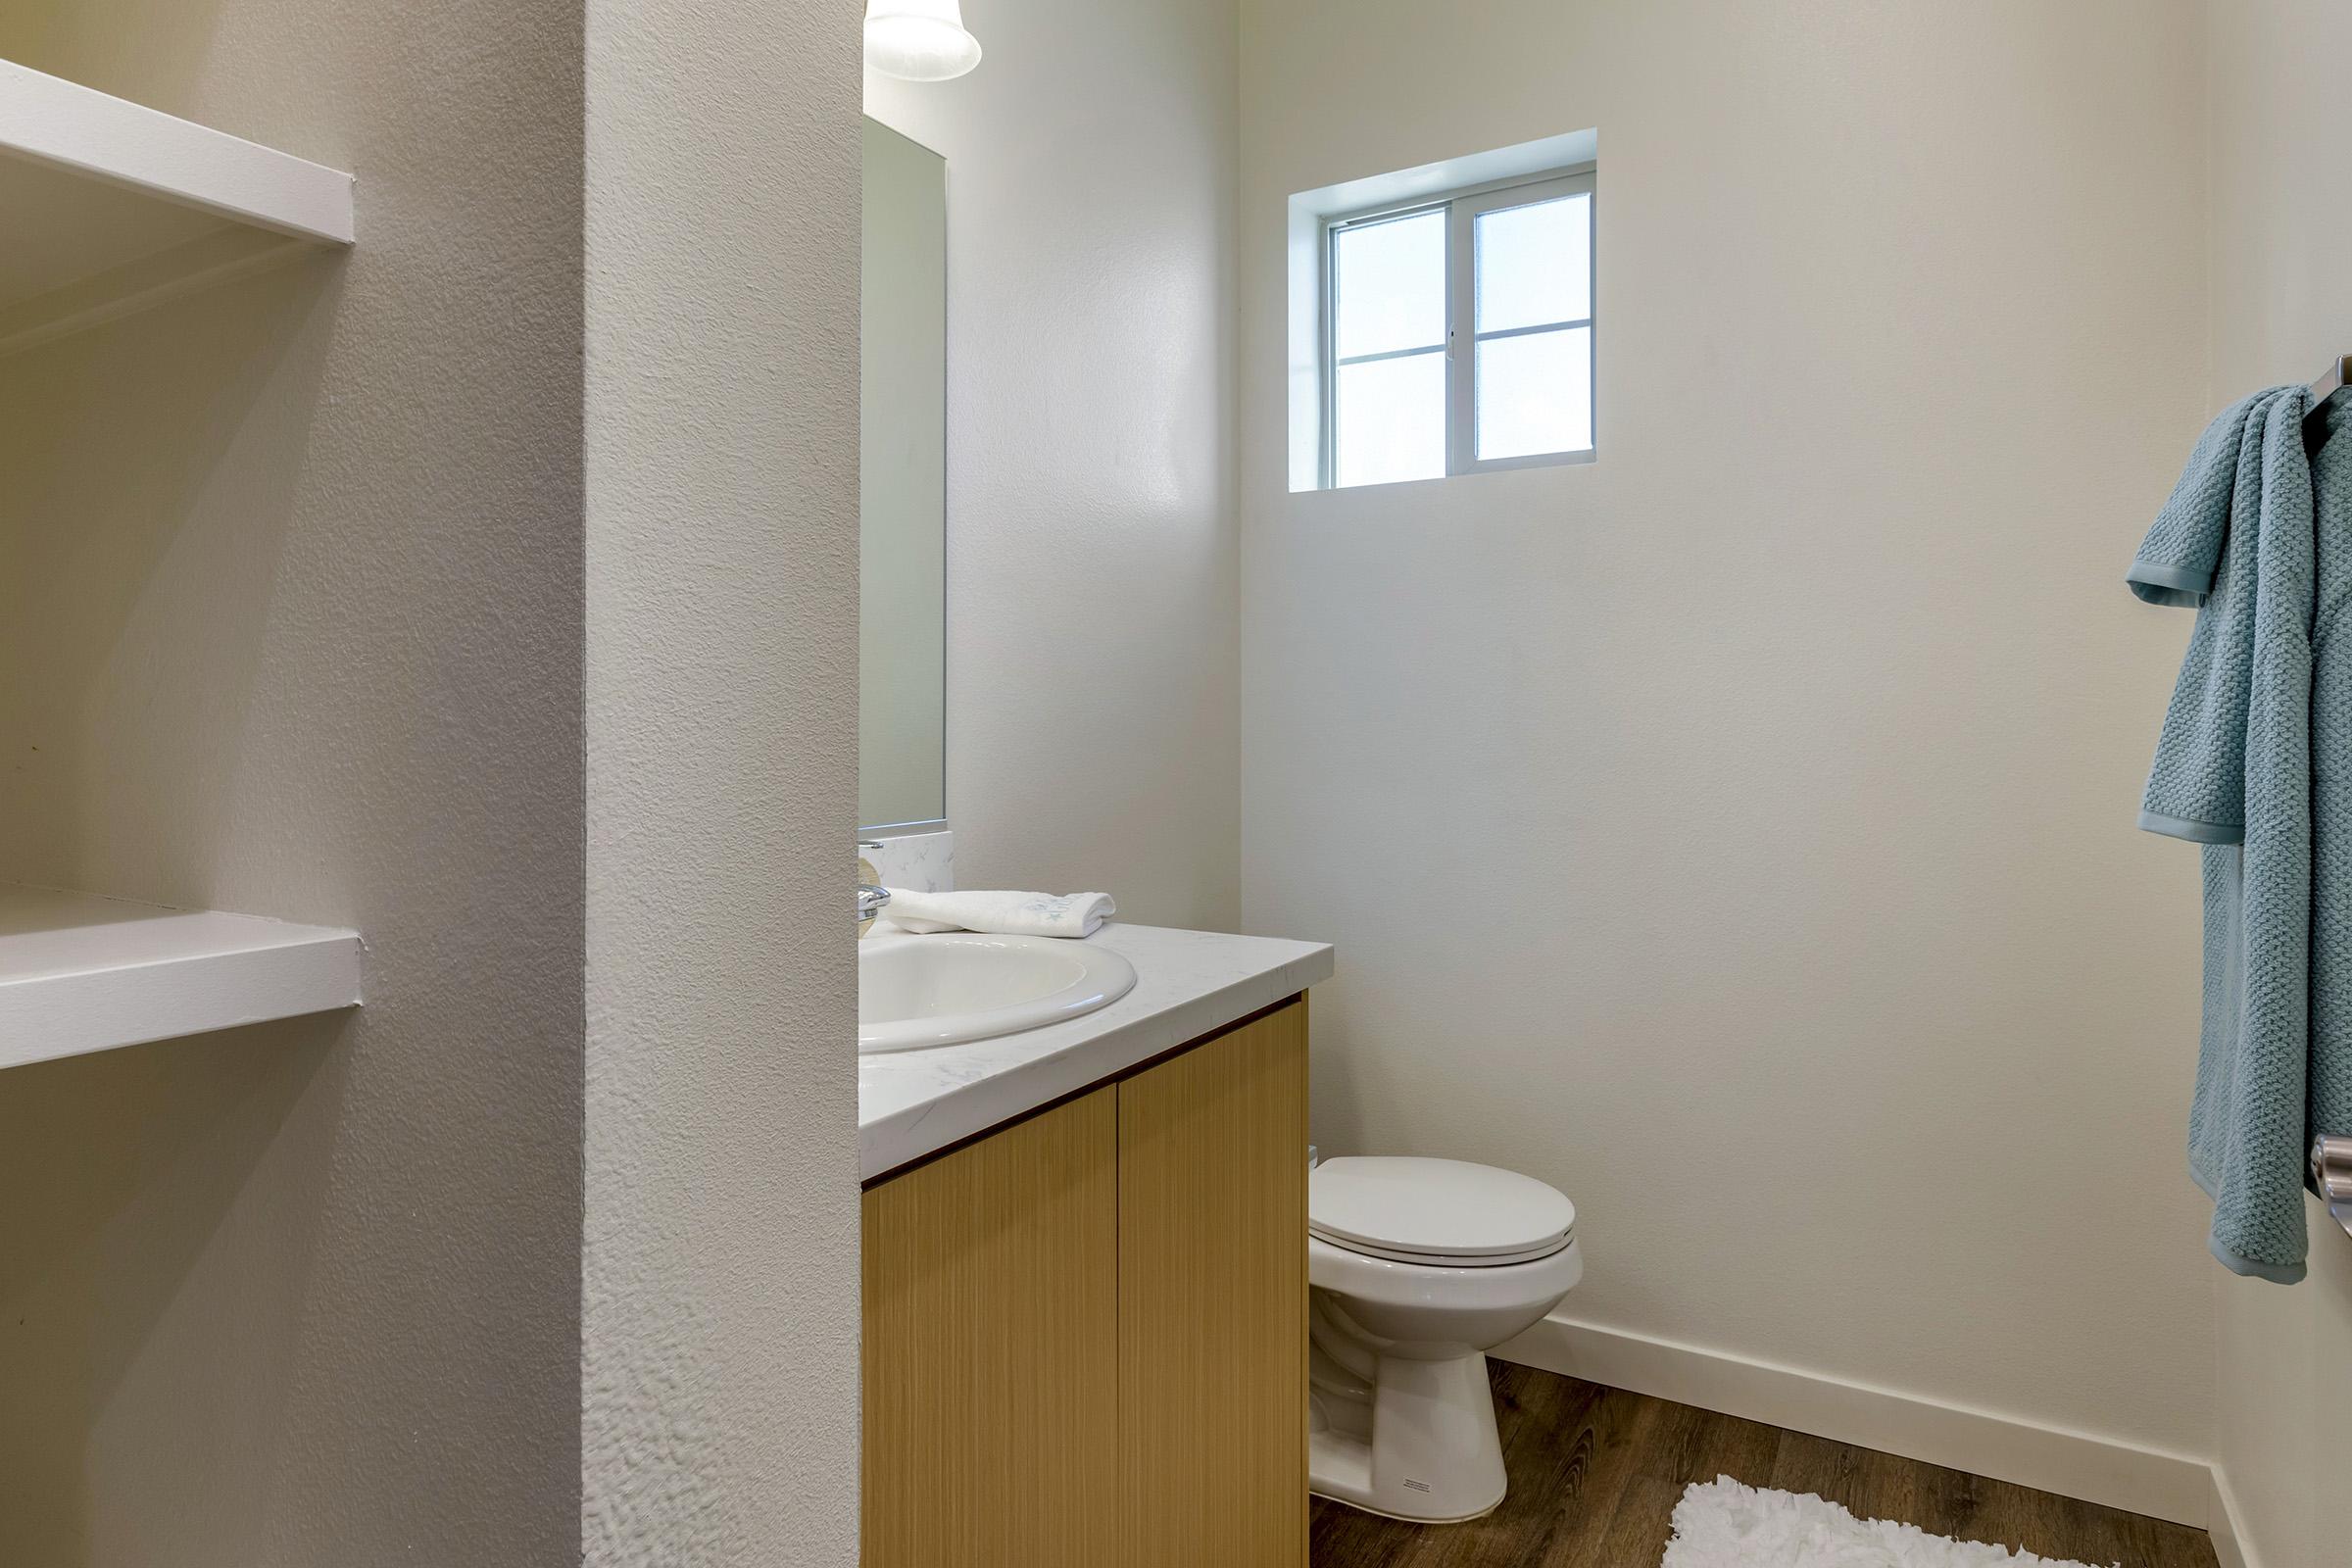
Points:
(2281, 230)
(1737, 831)
(290, 622)
(719, 1369)
(1092, 685)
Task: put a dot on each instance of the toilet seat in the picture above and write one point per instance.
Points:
(1440, 1214)
(1398, 1255)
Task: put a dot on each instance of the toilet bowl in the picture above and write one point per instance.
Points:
(1416, 1268)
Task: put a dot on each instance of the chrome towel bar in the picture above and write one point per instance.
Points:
(2331, 1175)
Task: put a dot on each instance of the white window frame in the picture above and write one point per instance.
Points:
(1462, 209)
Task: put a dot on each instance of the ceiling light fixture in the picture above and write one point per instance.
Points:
(918, 41)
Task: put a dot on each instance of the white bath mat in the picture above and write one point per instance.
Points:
(1722, 1523)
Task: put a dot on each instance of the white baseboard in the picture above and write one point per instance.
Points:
(2228, 1546)
(2073, 1464)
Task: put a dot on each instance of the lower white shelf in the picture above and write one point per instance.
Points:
(81, 974)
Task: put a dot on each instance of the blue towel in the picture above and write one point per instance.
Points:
(2255, 764)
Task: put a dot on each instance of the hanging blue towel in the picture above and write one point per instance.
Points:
(2255, 764)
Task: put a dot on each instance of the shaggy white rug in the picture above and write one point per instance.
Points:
(1722, 1523)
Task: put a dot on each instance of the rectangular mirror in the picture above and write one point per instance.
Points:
(903, 493)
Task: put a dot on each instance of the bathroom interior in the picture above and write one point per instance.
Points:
(1556, 614)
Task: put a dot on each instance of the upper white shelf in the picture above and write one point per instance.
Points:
(109, 207)
(79, 973)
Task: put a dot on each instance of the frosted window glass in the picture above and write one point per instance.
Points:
(1535, 393)
(1390, 283)
(1392, 419)
(1535, 263)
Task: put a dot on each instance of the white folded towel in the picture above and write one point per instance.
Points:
(1006, 915)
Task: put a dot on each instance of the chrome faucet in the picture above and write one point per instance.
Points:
(872, 895)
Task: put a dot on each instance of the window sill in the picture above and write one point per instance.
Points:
(1538, 460)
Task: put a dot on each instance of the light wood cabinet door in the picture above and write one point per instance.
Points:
(1212, 1303)
(991, 1355)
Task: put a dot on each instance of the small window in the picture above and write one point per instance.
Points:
(1460, 333)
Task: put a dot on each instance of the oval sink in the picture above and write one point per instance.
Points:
(961, 985)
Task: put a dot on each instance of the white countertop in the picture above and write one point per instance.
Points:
(1187, 983)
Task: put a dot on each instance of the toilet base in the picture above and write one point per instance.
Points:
(1420, 1445)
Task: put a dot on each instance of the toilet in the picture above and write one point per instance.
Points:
(1416, 1268)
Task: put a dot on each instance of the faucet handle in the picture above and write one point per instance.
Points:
(872, 895)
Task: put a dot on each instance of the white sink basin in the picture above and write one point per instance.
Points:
(958, 986)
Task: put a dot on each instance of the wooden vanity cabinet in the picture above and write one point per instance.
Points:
(1086, 1332)
(991, 1350)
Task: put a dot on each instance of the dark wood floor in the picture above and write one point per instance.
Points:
(1595, 1473)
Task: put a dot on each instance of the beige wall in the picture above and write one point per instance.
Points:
(290, 622)
(718, 1381)
(1091, 683)
(2282, 227)
(1737, 831)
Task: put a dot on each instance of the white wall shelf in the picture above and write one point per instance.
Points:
(109, 207)
(81, 974)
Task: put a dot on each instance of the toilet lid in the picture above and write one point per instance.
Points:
(1444, 1210)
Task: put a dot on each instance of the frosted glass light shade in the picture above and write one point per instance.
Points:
(918, 41)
